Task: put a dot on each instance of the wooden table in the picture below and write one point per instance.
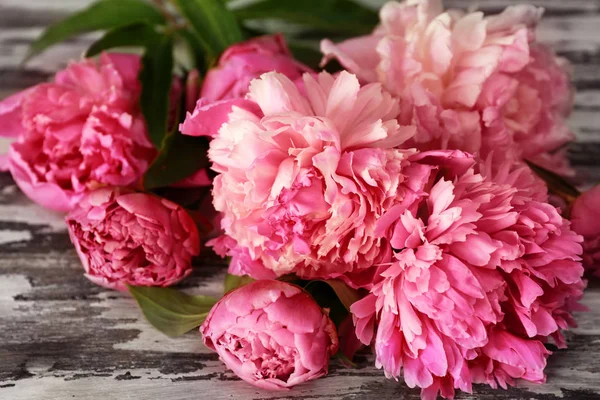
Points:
(62, 337)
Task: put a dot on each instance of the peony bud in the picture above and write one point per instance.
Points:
(271, 334)
(245, 61)
(124, 237)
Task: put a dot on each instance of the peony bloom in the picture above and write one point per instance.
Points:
(83, 130)
(245, 61)
(304, 177)
(483, 274)
(585, 220)
(226, 86)
(123, 237)
(468, 81)
(259, 334)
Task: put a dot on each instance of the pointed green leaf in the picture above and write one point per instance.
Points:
(104, 14)
(134, 35)
(307, 54)
(179, 158)
(195, 47)
(335, 16)
(233, 282)
(170, 311)
(216, 27)
(156, 77)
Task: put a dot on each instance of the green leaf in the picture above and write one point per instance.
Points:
(335, 16)
(309, 55)
(134, 35)
(216, 27)
(104, 14)
(156, 77)
(170, 311)
(233, 282)
(179, 158)
(195, 48)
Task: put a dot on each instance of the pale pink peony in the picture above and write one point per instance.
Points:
(468, 81)
(124, 237)
(483, 275)
(83, 130)
(304, 177)
(585, 220)
(259, 333)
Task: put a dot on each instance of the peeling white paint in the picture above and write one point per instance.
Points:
(33, 214)
(10, 286)
(10, 236)
(151, 384)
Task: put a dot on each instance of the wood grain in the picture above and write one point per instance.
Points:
(62, 337)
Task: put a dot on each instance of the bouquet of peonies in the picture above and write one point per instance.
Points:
(410, 197)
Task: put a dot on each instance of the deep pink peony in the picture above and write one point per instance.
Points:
(483, 275)
(585, 220)
(304, 177)
(83, 130)
(124, 237)
(259, 333)
(245, 61)
(227, 84)
(468, 82)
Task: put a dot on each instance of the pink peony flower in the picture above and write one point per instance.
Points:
(483, 274)
(467, 81)
(585, 220)
(304, 177)
(123, 237)
(245, 61)
(83, 130)
(227, 85)
(259, 334)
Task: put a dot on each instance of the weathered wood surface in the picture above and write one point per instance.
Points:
(62, 337)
